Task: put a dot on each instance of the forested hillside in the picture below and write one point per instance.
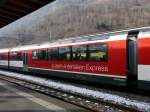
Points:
(67, 18)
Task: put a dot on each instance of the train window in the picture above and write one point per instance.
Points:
(55, 43)
(84, 39)
(2, 57)
(35, 55)
(42, 55)
(39, 55)
(16, 56)
(65, 54)
(99, 37)
(66, 41)
(79, 53)
(98, 52)
(53, 54)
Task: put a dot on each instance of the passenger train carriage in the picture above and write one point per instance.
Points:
(4, 58)
(117, 58)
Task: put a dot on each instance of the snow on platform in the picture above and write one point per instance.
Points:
(116, 99)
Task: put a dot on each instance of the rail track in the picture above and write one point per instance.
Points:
(95, 105)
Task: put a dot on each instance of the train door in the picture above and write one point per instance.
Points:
(25, 61)
(132, 58)
(8, 59)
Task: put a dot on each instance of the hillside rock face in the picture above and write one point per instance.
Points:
(67, 18)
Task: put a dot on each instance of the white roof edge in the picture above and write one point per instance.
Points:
(35, 46)
(4, 50)
(126, 30)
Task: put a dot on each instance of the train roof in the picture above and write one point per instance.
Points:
(4, 50)
(82, 38)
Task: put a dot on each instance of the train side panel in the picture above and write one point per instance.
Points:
(144, 60)
(112, 71)
(4, 60)
(16, 60)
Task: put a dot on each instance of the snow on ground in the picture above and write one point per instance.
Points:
(140, 105)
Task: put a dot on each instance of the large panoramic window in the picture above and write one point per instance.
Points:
(39, 55)
(65, 54)
(98, 52)
(42, 55)
(53, 54)
(16, 56)
(2, 56)
(35, 55)
(79, 53)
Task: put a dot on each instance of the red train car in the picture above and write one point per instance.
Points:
(118, 58)
(93, 60)
(4, 58)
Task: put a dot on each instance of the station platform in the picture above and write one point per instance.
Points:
(14, 98)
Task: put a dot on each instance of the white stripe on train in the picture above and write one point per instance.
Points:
(111, 38)
(144, 72)
(4, 62)
(16, 63)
